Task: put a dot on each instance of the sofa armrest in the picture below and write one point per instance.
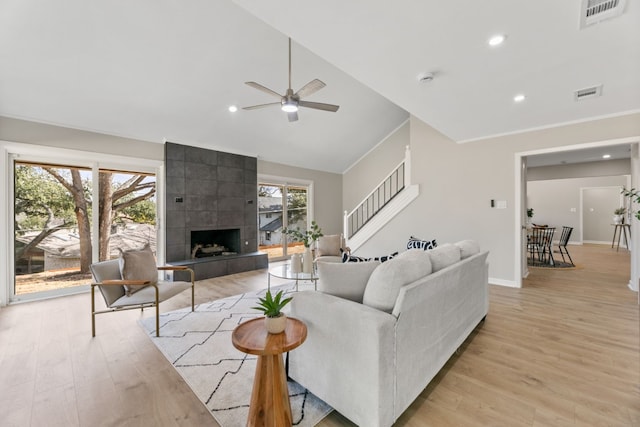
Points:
(348, 359)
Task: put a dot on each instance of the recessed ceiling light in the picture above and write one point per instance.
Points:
(606, 156)
(233, 108)
(519, 98)
(496, 40)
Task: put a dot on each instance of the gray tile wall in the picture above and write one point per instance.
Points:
(218, 190)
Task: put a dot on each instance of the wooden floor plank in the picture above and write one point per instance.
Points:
(564, 350)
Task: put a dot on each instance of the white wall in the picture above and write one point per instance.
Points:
(27, 132)
(364, 175)
(457, 182)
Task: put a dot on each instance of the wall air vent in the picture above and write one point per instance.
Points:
(594, 11)
(590, 92)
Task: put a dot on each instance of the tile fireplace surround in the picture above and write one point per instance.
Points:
(211, 190)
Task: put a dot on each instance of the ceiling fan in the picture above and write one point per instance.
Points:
(290, 101)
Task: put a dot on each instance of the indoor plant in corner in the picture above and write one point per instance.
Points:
(274, 319)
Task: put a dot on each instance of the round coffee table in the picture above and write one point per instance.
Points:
(283, 271)
(270, 404)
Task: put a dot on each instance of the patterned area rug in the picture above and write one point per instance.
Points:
(198, 344)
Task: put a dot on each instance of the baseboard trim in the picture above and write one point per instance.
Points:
(502, 282)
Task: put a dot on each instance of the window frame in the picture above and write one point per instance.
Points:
(264, 179)
(10, 151)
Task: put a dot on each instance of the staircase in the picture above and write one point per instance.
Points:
(388, 199)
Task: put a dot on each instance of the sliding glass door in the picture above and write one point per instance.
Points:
(281, 206)
(52, 214)
(53, 222)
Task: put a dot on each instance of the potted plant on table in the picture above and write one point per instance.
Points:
(275, 320)
(618, 215)
(529, 215)
(308, 238)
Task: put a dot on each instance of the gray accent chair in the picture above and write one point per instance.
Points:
(108, 279)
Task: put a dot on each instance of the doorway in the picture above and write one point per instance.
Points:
(281, 206)
(521, 165)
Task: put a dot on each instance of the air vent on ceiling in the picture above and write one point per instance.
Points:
(594, 11)
(590, 92)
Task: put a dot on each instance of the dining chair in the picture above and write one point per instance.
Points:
(535, 244)
(547, 243)
(562, 243)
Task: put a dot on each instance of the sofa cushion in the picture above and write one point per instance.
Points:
(468, 248)
(138, 265)
(387, 279)
(444, 256)
(345, 280)
(416, 243)
(329, 245)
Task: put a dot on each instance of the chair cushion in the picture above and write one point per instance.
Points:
(147, 294)
(329, 245)
(346, 281)
(386, 280)
(444, 256)
(138, 265)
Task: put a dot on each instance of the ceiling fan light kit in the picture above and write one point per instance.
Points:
(290, 101)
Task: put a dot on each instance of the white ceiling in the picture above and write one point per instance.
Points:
(169, 69)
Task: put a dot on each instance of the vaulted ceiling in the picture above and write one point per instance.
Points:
(169, 70)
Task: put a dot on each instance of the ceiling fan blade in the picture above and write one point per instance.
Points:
(319, 106)
(293, 116)
(263, 89)
(255, 107)
(312, 87)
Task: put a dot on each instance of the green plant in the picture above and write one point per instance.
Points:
(530, 212)
(620, 211)
(634, 196)
(307, 237)
(270, 305)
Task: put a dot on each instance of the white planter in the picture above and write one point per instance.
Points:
(307, 261)
(276, 325)
(617, 219)
(296, 263)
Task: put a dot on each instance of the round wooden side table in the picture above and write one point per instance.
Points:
(270, 406)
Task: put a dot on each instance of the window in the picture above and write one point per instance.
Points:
(281, 206)
(68, 211)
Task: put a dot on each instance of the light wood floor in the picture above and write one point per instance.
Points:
(563, 350)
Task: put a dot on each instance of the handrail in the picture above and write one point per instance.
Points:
(379, 197)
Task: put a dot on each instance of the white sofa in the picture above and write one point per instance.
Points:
(379, 333)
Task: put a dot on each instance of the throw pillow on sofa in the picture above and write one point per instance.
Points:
(444, 256)
(352, 258)
(347, 280)
(138, 264)
(468, 248)
(386, 280)
(415, 243)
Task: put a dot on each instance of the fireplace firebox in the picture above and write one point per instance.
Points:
(209, 243)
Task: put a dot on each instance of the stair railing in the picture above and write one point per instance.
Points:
(389, 188)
